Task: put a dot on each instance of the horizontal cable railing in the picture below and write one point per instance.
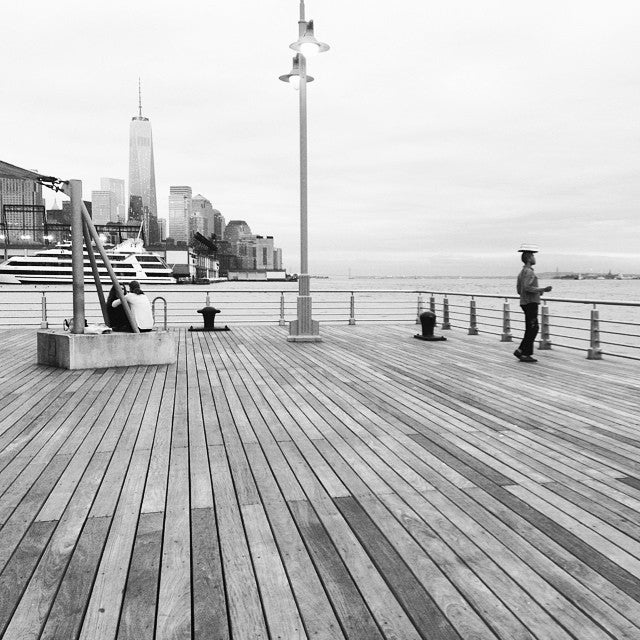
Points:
(564, 322)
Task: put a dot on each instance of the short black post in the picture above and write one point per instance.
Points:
(428, 322)
(209, 316)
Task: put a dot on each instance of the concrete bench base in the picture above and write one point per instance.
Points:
(88, 351)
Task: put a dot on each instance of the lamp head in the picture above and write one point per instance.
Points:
(293, 77)
(307, 45)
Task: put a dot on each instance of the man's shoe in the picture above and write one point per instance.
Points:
(518, 354)
(527, 359)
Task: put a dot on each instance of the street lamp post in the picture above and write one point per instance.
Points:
(304, 328)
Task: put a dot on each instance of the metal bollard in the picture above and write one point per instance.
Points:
(281, 322)
(352, 318)
(44, 324)
(419, 308)
(595, 352)
(446, 320)
(545, 341)
(153, 309)
(506, 322)
(473, 318)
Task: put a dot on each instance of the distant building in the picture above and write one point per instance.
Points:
(142, 177)
(104, 207)
(66, 207)
(202, 216)
(116, 187)
(277, 259)
(218, 224)
(17, 191)
(180, 209)
(162, 228)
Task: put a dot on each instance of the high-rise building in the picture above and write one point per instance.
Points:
(142, 177)
(179, 213)
(103, 204)
(21, 210)
(218, 224)
(18, 191)
(116, 187)
(202, 215)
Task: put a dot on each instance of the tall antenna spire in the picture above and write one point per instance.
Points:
(139, 98)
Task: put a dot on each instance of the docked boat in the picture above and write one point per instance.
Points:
(129, 260)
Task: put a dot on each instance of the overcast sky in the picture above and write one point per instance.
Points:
(441, 135)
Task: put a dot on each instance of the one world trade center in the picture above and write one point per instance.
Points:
(143, 206)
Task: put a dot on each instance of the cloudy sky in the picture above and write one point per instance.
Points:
(441, 135)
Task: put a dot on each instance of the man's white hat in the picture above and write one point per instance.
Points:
(527, 246)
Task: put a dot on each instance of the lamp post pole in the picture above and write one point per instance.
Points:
(304, 328)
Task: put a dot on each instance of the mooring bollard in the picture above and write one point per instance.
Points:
(281, 322)
(446, 321)
(428, 321)
(506, 322)
(419, 308)
(595, 352)
(545, 329)
(473, 318)
(352, 317)
(44, 324)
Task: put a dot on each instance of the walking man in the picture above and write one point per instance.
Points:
(529, 302)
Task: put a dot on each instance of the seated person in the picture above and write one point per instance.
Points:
(117, 318)
(140, 306)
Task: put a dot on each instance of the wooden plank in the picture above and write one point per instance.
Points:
(350, 608)
(138, 618)
(243, 600)
(281, 612)
(68, 610)
(174, 599)
(31, 613)
(210, 619)
(103, 610)
(415, 600)
(15, 575)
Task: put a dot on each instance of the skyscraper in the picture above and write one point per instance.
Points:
(179, 213)
(104, 207)
(142, 178)
(116, 187)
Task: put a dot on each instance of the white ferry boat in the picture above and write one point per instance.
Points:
(129, 260)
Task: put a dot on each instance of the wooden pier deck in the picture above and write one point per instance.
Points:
(371, 486)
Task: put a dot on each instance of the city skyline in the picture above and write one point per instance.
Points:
(435, 150)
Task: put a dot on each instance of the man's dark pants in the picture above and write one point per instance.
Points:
(531, 327)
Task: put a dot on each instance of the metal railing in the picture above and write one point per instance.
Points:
(596, 327)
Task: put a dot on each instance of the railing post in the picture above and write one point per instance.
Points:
(282, 323)
(545, 341)
(473, 318)
(153, 309)
(207, 301)
(44, 324)
(352, 317)
(446, 321)
(419, 308)
(432, 303)
(595, 352)
(506, 322)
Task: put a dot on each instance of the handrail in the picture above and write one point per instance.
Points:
(484, 313)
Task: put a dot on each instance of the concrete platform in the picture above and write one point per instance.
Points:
(89, 351)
